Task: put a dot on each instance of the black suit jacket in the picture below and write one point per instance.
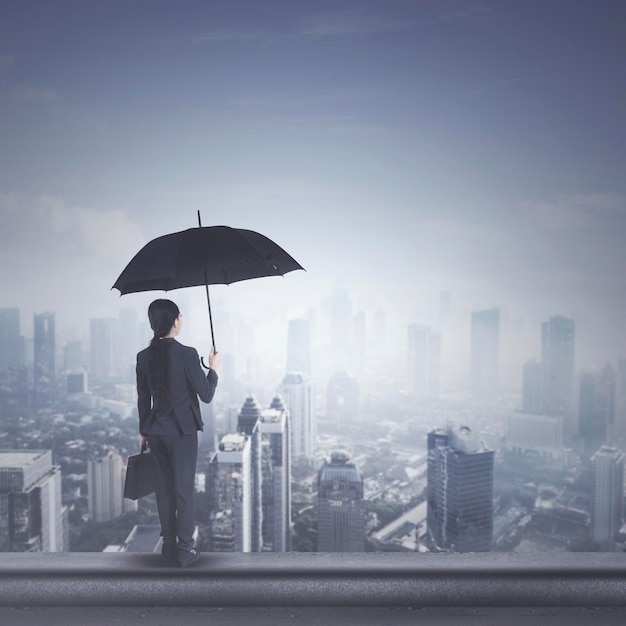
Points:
(186, 381)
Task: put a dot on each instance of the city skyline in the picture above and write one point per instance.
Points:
(398, 150)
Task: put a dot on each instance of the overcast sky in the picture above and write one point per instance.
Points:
(398, 148)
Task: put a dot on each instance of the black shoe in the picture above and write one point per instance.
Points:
(169, 551)
(187, 556)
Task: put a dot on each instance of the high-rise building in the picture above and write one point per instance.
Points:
(229, 482)
(248, 416)
(73, 356)
(272, 430)
(620, 402)
(105, 486)
(127, 344)
(44, 363)
(424, 361)
(76, 381)
(102, 347)
(359, 343)
(557, 361)
(485, 355)
(596, 408)
(340, 505)
(10, 343)
(460, 491)
(607, 503)
(342, 398)
(531, 387)
(299, 347)
(297, 394)
(31, 518)
(540, 434)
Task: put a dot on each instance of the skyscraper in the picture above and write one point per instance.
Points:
(102, 347)
(31, 517)
(620, 401)
(128, 340)
(531, 387)
(299, 347)
(230, 486)
(485, 355)
(607, 505)
(460, 491)
(105, 486)
(557, 361)
(273, 433)
(44, 364)
(10, 344)
(297, 396)
(248, 416)
(424, 361)
(342, 398)
(340, 505)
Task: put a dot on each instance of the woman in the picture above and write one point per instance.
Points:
(169, 382)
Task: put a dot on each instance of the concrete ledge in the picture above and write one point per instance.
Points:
(301, 579)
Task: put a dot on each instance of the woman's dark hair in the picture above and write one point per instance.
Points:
(162, 315)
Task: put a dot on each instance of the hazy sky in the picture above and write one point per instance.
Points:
(399, 148)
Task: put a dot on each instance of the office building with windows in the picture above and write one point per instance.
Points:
(459, 491)
(272, 433)
(105, 487)
(607, 502)
(229, 483)
(297, 394)
(44, 363)
(340, 505)
(31, 517)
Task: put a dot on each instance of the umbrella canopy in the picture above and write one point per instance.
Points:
(210, 255)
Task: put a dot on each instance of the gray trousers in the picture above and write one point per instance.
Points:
(175, 459)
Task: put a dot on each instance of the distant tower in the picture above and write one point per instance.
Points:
(10, 343)
(230, 487)
(297, 395)
(557, 360)
(128, 340)
(607, 506)
(485, 354)
(620, 401)
(359, 342)
(273, 432)
(342, 398)
(531, 387)
(340, 505)
(104, 486)
(248, 416)
(299, 347)
(102, 347)
(44, 364)
(31, 516)
(460, 491)
(424, 361)
(596, 408)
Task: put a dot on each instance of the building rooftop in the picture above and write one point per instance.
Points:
(10, 459)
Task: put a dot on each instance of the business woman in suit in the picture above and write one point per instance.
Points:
(170, 380)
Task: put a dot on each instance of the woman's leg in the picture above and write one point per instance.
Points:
(164, 486)
(184, 455)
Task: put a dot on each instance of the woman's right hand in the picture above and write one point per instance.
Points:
(214, 360)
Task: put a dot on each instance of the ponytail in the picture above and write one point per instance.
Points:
(162, 315)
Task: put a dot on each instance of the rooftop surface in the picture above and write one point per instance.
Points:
(266, 588)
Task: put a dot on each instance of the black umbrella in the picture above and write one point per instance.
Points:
(210, 255)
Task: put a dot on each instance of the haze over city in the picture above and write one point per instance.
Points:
(398, 150)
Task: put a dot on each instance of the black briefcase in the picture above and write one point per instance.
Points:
(139, 476)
